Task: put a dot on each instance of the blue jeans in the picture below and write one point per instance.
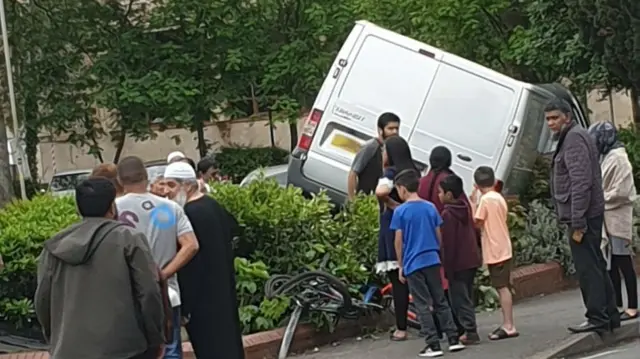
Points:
(174, 349)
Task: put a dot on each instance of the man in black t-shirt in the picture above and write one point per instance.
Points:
(366, 168)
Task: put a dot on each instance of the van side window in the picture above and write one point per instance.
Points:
(532, 136)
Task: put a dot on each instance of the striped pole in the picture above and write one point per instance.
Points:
(53, 155)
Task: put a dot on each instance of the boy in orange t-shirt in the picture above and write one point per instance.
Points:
(490, 215)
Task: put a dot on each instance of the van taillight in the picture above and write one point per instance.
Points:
(309, 130)
(499, 186)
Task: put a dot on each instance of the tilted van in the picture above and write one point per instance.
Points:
(482, 116)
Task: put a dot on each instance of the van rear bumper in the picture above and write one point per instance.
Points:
(296, 178)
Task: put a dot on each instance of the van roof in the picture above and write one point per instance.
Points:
(452, 59)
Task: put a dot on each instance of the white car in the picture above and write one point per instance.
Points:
(278, 173)
(64, 183)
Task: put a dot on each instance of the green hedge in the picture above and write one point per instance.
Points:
(237, 162)
(282, 232)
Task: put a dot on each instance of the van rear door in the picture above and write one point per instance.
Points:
(470, 110)
(382, 72)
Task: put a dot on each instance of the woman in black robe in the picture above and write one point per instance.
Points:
(208, 285)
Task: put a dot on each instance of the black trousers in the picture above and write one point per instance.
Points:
(400, 292)
(591, 268)
(426, 288)
(624, 265)
(461, 294)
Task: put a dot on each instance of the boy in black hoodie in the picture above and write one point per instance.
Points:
(460, 254)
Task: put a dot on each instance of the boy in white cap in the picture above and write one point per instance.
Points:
(166, 227)
(208, 283)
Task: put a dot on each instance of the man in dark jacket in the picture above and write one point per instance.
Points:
(576, 187)
(98, 293)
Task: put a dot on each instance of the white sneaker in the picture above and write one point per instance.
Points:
(431, 351)
(454, 344)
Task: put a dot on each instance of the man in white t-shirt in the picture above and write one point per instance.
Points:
(168, 231)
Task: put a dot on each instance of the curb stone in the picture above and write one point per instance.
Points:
(590, 342)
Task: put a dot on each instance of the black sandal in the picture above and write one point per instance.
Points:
(624, 316)
(500, 334)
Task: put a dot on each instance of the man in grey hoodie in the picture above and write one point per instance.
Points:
(98, 295)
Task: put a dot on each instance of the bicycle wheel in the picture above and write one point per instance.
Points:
(289, 332)
(325, 285)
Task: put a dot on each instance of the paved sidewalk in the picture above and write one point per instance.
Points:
(541, 321)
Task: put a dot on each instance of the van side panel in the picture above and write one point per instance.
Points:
(382, 74)
(469, 114)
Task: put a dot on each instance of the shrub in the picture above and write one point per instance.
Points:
(281, 233)
(24, 226)
(237, 162)
(543, 239)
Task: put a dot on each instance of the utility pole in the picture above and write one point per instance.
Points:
(17, 146)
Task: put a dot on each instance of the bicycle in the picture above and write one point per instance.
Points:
(315, 291)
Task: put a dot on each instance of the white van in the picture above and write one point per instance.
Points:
(482, 116)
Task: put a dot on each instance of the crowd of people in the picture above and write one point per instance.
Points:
(145, 260)
(433, 238)
(149, 258)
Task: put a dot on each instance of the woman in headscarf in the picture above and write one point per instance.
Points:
(439, 169)
(396, 158)
(619, 194)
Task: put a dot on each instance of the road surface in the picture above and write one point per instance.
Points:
(624, 351)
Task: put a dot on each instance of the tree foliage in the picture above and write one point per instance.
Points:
(163, 64)
(612, 30)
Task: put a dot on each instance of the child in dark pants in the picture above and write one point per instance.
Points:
(416, 223)
(460, 254)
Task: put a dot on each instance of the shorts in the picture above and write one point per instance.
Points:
(500, 274)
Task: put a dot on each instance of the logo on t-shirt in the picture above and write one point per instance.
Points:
(161, 217)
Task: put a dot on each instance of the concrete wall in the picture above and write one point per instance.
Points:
(601, 108)
(57, 156)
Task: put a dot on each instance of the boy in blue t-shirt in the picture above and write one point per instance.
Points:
(416, 223)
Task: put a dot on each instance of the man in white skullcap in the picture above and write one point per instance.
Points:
(175, 156)
(207, 283)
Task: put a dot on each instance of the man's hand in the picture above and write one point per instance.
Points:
(160, 353)
(401, 276)
(164, 275)
(577, 235)
(184, 320)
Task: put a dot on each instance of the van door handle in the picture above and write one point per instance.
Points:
(464, 157)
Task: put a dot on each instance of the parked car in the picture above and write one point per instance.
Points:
(482, 116)
(155, 169)
(64, 183)
(278, 173)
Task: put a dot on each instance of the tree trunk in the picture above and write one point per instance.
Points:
(200, 117)
(119, 146)
(31, 139)
(293, 133)
(635, 106)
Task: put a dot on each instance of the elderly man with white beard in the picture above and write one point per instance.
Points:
(207, 283)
